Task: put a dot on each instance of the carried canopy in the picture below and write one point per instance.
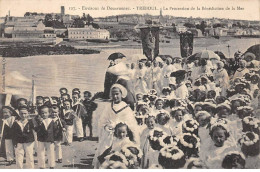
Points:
(115, 56)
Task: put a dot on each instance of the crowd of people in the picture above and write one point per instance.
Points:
(200, 113)
(166, 113)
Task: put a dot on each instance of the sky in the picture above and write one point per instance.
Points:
(242, 9)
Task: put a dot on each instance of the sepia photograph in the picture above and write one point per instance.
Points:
(141, 84)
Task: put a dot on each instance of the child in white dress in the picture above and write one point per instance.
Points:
(148, 153)
(122, 137)
(163, 122)
(214, 153)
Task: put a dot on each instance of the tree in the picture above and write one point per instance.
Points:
(217, 25)
(89, 19)
(48, 20)
(78, 23)
(174, 29)
(96, 26)
(27, 14)
(203, 26)
(57, 24)
(57, 17)
(189, 25)
(197, 26)
(148, 21)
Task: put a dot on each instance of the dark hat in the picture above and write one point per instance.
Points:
(54, 98)
(142, 61)
(177, 57)
(48, 103)
(14, 113)
(39, 97)
(55, 106)
(22, 99)
(65, 94)
(44, 106)
(64, 89)
(68, 100)
(46, 98)
(255, 76)
(75, 90)
(179, 73)
(223, 106)
(88, 92)
(166, 89)
(23, 107)
(152, 92)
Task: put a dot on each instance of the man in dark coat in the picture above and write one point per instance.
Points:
(118, 72)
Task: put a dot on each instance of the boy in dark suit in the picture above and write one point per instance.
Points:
(7, 134)
(23, 138)
(90, 106)
(58, 131)
(45, 136)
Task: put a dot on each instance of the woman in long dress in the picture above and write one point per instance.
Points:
(140, 83)
(115, 112)
(157, 82)
(122, 76)
(166, 72)
(221, 78)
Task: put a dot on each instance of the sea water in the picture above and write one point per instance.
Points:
(87, 72)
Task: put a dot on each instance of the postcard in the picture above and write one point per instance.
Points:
(141, 84)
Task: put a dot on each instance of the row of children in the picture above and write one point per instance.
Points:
(27, 132)
(205, 73)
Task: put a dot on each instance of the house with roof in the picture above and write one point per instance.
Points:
(87, 32)
(196, 32)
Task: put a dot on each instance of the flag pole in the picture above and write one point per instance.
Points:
(33, 91)
(153, 47)
(2, 132)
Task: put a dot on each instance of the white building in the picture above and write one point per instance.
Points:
(87, 33)
(25, 30)
(181, 28)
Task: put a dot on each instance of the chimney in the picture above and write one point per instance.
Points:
(62, 10)
(9, 13)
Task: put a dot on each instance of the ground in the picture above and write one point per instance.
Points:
(74, 156)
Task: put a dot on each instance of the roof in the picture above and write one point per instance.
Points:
(27, 31)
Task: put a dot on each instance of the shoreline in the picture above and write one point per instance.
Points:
(27, 48)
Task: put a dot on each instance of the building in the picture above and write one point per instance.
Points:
(181, 28)
(251, 31)
(116, 25)
(196, 32)
(231, 32)
(87, 33)
(68, 23)
(209, 31)
(49, 32)
(24, 31)
(220, 31)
